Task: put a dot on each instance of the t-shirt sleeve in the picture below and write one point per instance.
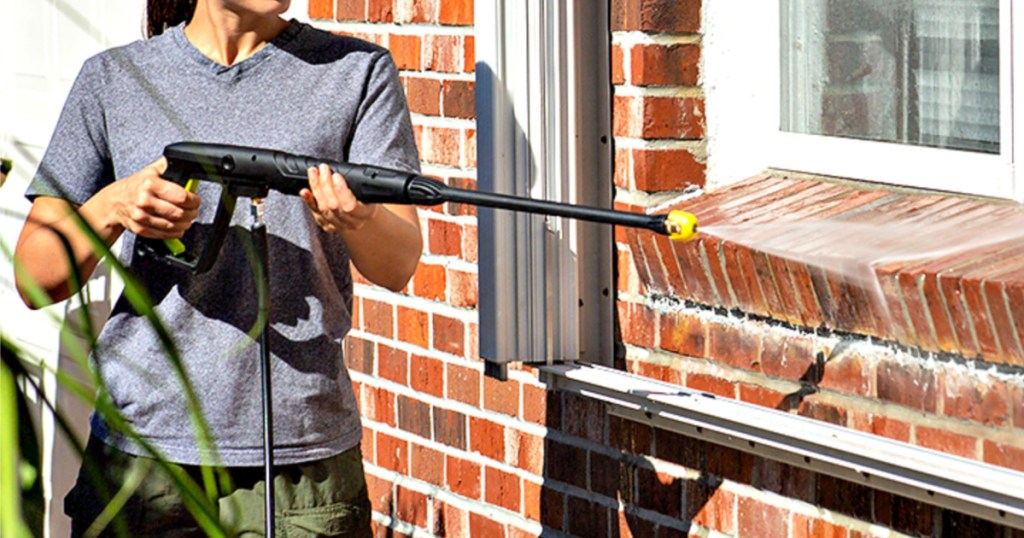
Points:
(76, 163)
(383, 134)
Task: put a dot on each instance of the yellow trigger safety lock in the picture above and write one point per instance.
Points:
(176, 247)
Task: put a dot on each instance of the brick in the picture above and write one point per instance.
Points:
(502, 489)
(586, 417)
(529, 452)
(424, 95)
(443, 53)
(665, 65)
(711, 385)
(552, 508)
(430, 282)
(450, 428)
(667, 374)
(426, 374)
(565, 463)
(379, 405)
(730, 464)
(534, 404)
(407, 52)
(629, 436)
(359, 355)
(501, 396)
(413, 326)
(427, 464)
(756, 518)
(808, 527)
(672, 16)
(823, 411)
(456, 12)
(587, 518)
(788, 481)
(711, 257)
(487, 437)
(480, 525)
(414, 416)
(444, 238)
(463, 477)
(904, 515)
(321, 9)
(607, 474)
(380, 11)
(460, 209)
(947, 441)
(393, 364)
(849, 372)
(416, 11)
(636, 322)
(764, 397)
(380, 492)
(679, 449)
(464, 384)
(794, 357)
(350, 10)
(410, 506)
(657, 170)
(459, 99)
(449, 335)
(632, 525)
(983, 400)
(618, 67)
(909, 384)
(368, 445)
(891, 428)
(844, 497)
(735, 345)
(655, 117)
(378, 318)
(441, 145)
(710, 506)
(392, 453)
(1004, 455)
(469, 54)
(470, 247)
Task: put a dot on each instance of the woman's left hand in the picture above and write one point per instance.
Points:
(335, 208)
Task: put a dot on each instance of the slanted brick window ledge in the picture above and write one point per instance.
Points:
(951, 279)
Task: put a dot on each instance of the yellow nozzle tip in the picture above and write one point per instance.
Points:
(680, 225)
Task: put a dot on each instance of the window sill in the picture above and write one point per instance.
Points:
(961, 294)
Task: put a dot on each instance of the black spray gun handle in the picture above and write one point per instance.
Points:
(253, 172)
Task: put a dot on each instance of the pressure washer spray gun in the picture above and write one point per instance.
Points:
(253, 172)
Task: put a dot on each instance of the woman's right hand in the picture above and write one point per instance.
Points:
(51, 242)
(148, 205)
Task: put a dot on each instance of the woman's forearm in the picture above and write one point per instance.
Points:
(387, 248)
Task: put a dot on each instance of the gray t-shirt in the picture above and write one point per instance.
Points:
(307, 92)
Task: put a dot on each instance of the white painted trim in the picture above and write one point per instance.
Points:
(905, 165)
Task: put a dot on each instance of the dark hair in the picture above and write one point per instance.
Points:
(163, 14)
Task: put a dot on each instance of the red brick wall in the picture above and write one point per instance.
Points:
(451, 452)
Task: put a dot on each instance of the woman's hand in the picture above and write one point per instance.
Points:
(334, 206)
(148, 205)
(383, 240)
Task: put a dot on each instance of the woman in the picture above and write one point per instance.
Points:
(228, 71)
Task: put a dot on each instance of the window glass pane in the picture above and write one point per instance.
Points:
(922, 72)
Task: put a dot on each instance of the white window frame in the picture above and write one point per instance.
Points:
(915, 166)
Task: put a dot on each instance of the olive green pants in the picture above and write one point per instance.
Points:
(320, 498)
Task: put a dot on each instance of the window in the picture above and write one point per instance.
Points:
(912, 92)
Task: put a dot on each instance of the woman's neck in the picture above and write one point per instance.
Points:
(229, 36)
